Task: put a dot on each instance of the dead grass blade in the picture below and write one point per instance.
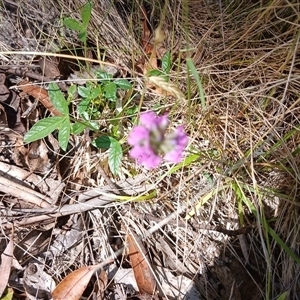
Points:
(6, 263)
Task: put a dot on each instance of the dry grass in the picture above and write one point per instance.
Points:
(247, 140)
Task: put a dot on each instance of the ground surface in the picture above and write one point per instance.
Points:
(228, 216)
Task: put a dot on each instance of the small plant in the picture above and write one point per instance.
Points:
(95, 96)
(82, 26)
(105, 93)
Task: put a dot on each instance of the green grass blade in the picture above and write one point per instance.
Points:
(192, 68)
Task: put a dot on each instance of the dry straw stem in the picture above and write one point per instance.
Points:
(80, 58)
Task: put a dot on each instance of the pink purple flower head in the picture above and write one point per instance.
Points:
(149, 140)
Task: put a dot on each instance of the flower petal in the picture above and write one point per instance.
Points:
(148, 119)
(145, 156)
(176, 141)
(138, 135)
(174, 156)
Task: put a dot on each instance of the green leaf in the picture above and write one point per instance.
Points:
(57, 98)
(132, 112)
(284, 246)
(64, 133)
(166, 62)
(85, 115)
(102, 74)
(71, 92)
(83, 105)
(84, 92)
(8, 294)
(43, 128)
(283, 296)
(154, 73)
(123, 84)
(110, 90)
(73, 24)
(193, 69)
(94, 125)
(102, 142)
(82, 35)
(95, 92)
(115, 156)
(86, 13)
(77, 128)
(186, 162)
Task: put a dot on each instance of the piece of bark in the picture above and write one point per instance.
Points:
(18, 189)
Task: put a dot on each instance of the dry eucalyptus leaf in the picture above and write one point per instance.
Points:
(34, 243)
(3, 117)
(142, 271)
(100, 285)
(73, 286)
(178, 287)
(36, 157)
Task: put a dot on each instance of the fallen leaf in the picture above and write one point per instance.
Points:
(99, 287)
(6, 263)
(49, 67)
(38, 157)
(72, 286)
(40, 94)
(146, 33)
(142, 271)
(8, 294)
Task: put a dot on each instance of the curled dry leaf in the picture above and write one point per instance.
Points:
(142, 271)
(6, 263)
(40, 94)
(164, 87)
(73, 286)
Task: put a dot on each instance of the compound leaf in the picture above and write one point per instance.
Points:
(115, 156)
(43, 128)
(82, 35)
(84, 91)
(64, 133)
(77, 128)
(110, 90)
(102, 142)
(166, 62)
(57, 98)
